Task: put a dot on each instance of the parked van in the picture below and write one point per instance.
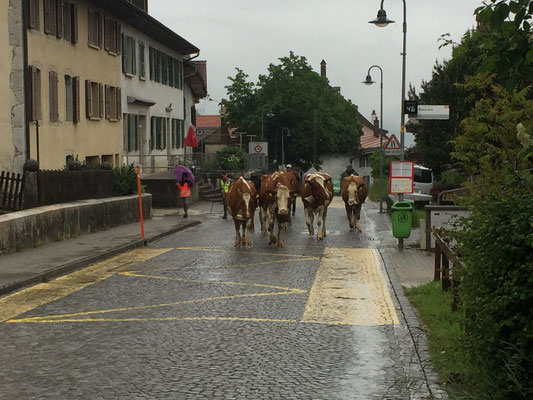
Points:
(423, 180)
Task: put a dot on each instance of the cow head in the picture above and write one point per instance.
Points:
(283, 198)
(319, 188)
(353, 199)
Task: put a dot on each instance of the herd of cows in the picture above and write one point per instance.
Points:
(274, 199)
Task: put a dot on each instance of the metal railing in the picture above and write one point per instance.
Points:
(199, 161)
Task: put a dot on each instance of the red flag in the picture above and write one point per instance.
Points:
(191, 140)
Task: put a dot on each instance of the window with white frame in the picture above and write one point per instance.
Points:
(158, 133)
(129, 59)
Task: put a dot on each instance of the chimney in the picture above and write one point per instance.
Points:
(323, 69)
(376, 124)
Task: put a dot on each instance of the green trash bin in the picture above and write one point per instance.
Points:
(402, 219)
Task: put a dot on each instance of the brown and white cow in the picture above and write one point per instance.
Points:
(275, 198)
(242, 201)
(354, 192)
(317, 193)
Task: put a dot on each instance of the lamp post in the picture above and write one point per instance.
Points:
(283, 130)
(382, 21)
(368, 81)
(269, 115)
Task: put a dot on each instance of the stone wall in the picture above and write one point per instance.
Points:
(29, 228)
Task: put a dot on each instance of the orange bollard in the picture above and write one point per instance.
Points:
(140, 200)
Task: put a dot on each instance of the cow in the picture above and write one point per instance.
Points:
(242, 201)
(353, 192)
(275, 196)
(317, 194)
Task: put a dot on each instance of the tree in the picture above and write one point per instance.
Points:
(507, 49)
(319, 120)
(433, 138)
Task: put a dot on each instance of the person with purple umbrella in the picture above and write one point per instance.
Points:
(184, 186)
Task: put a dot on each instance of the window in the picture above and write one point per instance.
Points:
(364, 160)
(33, 13)
(142, 68)
(177, 133)
(69, 25)
(165, 69)
(131, 132)
(53, 100)
(113, 105)
(142, 4)
(35, 90)
(158, 133)
(95, 28)
(111, 35)
(69, 96)
(129, 57)
(94, 100)
(50, 17)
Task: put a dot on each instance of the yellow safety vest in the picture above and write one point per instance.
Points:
(225, 185)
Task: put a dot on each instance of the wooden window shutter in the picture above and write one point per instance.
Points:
(100, 24)
(88, 99)
(51, 94)
(117, 38)
(76, 98)
(133, 57)
(33, 13)
(106, 33)
(124, 54)
(46, 9)
(74, 24)
(56, 97)
(101, 100)
(59, 18)
(119, 103)
(31, 104)
(107, 101)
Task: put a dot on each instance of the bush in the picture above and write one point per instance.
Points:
(496, 246)
(125, 182)
(231, 158)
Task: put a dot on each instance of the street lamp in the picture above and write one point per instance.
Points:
(368, 81)
(382, 21)
(269, 115)
(283, 130)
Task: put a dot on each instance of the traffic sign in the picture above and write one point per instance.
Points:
(433, 112)
(401, 177)
(410, 107)
(393, 147)
(258, 148)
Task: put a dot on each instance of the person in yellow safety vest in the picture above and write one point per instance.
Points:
(225, 182)
(184, 186)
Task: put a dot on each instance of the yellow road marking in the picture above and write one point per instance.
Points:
(159, 319)
(67, 317)
(349, 289)
(224, 249)
(35, 296)
(137, 275)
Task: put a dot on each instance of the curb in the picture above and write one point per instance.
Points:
(85, 262)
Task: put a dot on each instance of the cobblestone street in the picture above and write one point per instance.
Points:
(190, 317)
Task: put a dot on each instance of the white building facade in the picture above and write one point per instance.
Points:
(157, 101)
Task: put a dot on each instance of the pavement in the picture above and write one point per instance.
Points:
(41, 264)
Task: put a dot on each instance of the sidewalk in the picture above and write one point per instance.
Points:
(43, 263)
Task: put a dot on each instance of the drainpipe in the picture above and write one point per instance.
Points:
(27, 95)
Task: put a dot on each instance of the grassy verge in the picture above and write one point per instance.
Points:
(373, 192)
(445, 334)
(417, 216)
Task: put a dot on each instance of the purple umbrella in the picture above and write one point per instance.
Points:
(179, 170)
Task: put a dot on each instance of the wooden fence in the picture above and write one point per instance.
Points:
(11, 191)
(450, 275)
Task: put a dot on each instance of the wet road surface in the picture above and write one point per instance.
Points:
(190, 317)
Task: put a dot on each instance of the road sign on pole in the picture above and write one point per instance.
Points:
(392, 147)
(433, 112)
(401, 177)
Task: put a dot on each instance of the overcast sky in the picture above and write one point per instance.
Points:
(251, 34)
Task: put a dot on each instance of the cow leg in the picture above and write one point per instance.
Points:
(250, 225)
(357, 216)
(309, 216)
(271, 223)
(349, 213)
(262, 220)
(245, 240)
(324, 221)
(282, 227)
(237, 242)
(320, 223)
